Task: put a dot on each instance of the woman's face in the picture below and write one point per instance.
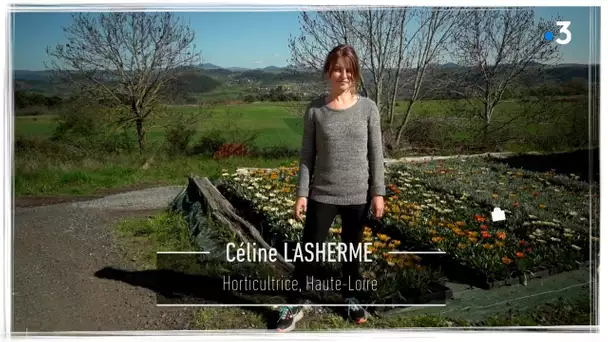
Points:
(341, 75)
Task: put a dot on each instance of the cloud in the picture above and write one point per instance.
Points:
(277, 55)
(257, 62)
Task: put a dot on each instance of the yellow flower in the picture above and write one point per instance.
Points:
(379, 244)
(383, 237)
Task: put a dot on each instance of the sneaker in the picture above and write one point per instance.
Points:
(356, 312)
(288, 317)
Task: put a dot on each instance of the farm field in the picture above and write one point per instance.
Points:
(279, 123)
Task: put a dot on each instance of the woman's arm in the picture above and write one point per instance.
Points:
(307, 155)
(375, 154)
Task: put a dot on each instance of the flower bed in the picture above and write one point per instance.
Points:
(266, 198)
(447, 205)
(437, 205)
(546, 196)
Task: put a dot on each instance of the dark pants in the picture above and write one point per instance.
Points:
(319, 217)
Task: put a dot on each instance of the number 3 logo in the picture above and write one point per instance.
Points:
(564, 25)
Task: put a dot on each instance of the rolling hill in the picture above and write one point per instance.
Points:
(207, 77)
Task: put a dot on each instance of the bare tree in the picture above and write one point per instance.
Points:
(387, 49)
(501, 46)
(130, 58)
(436, 27)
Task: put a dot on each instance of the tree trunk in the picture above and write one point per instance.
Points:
(139, 123)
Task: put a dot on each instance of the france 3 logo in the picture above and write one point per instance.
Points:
(564, 35)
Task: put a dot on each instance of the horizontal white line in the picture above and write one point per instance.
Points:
(420, 252)
(315, 305)
(182, 252)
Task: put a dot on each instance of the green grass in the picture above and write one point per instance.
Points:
(272, 123)
(140, 239)
(57, 177)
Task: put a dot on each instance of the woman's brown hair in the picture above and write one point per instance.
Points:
(348, 53)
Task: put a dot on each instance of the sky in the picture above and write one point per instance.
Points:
(247, 39)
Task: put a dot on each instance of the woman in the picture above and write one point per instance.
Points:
(341, 171)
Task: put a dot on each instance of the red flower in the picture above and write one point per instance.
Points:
(483, 227)
(480, 218)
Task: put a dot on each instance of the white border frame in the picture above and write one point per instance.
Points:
(6, 125)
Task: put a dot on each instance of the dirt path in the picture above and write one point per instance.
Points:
(58, 249)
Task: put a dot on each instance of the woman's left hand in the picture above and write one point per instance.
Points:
(377, 206)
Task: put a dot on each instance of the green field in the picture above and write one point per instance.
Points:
(278, 124)
(47, 167)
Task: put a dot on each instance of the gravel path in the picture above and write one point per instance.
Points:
(58, 249)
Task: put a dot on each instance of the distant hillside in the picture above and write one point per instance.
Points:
(193, 82)
(441, 80)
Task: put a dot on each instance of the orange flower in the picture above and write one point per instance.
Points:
(462, 246)
(437, 239)
(520, 255)
(506, 260)
(486, 235)
(473, 239)
(499, 244)
(542, 206)
(460, 223)
(487, 246)
(479, 218)
(501, 235)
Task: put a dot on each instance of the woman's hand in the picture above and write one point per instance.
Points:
(378, 206)
(300, 208)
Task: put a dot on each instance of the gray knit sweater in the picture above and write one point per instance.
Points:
(341, 159)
